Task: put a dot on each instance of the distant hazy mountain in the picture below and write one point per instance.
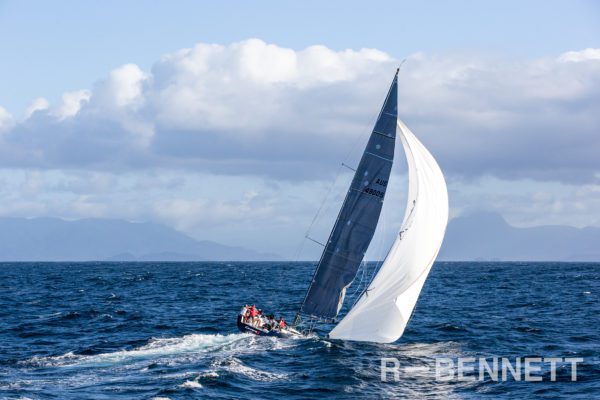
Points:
(487, 236)
(52, 239)
(479, 236)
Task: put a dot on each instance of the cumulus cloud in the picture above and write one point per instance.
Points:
(578, 56)
(38, 104)
(513, 120)
(71, 103)
(122, 89)
(6, 120)
(253, 108)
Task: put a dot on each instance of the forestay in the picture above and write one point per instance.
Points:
(382, 312)
(357, 220)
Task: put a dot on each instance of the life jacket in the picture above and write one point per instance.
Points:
(253, 311)
(282, 323)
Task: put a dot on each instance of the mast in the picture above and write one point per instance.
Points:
(356, 222)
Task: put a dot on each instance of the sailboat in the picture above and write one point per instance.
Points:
(385, 307)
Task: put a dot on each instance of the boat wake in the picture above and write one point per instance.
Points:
(190, 362)
(157, 348)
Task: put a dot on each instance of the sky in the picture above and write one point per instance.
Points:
(229, 120)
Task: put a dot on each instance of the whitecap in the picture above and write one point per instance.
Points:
(235, 365)
(51, 361)
(191, 385)
(209, 374)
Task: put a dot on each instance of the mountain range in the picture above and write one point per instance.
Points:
(487, 236)
(474, 237)
(53, 239)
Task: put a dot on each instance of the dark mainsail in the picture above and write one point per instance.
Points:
(357, 220)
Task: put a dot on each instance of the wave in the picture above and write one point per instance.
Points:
(235, 366)
(194, 384)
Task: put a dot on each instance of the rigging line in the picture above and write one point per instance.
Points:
(315, 217)
(379, 260)
(363, 266)
(382, 248)
(361, 134)
(359, 288)
(337, 175)
(349, 167)
(401, 64)
(382, 243)
(300, 248)
(323, 254)
(313, 240)
(371, 276)
(362, 278)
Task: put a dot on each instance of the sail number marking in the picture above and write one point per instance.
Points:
(375, 192)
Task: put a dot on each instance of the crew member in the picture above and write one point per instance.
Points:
(253, 314)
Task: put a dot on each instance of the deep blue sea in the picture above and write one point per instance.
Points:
(167, 331)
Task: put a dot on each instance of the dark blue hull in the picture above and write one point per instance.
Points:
(243, 327)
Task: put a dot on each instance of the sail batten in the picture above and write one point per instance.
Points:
(355, 225)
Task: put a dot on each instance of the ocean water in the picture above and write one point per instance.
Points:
(167, 331)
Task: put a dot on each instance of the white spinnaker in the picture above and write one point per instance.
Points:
(382, 312)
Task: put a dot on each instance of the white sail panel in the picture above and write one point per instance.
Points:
(383, 311)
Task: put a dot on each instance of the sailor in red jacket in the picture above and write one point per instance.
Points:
(281, 323)
(253, 313)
